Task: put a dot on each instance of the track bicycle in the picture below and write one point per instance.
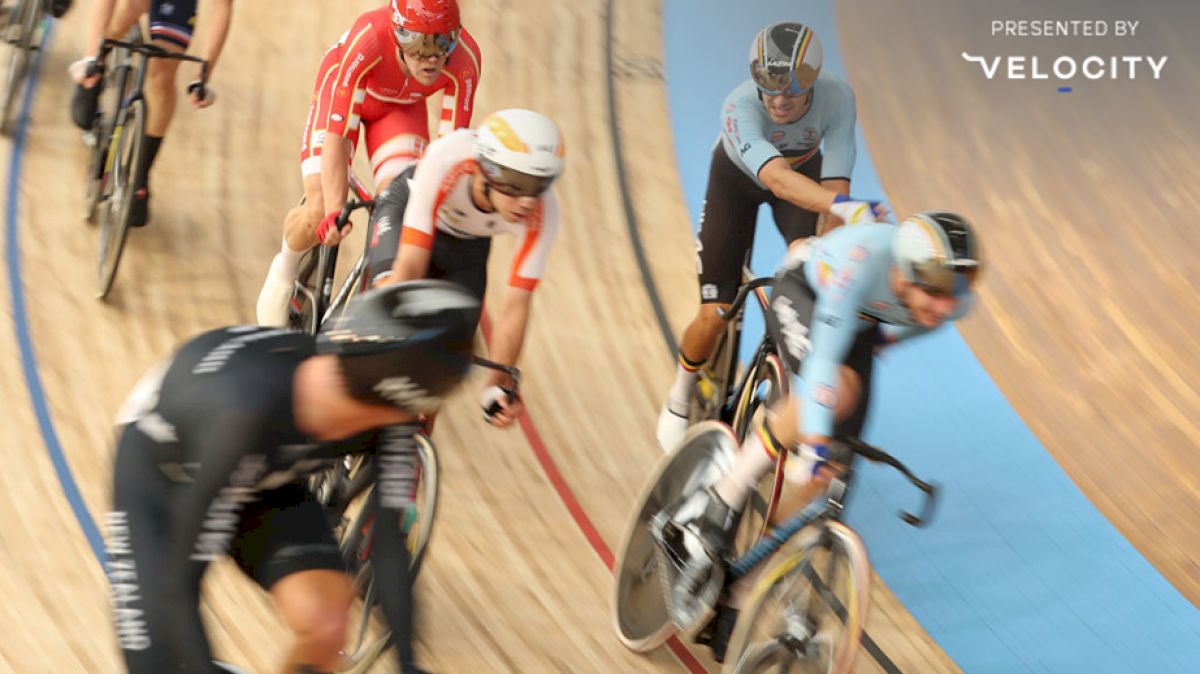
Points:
(116, 166)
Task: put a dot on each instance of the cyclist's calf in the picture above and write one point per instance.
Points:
(700, 337)
(315, 606)
(300, 225)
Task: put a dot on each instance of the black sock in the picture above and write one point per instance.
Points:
(150, 152)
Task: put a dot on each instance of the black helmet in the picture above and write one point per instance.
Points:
(407, 345)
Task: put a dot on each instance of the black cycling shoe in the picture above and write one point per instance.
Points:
(58, 8)
(139, 209)
(85, 104)
(716, 633)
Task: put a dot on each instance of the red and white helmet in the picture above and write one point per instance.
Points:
(426, 26)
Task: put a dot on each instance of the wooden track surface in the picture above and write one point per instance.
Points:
(1087, 320)
(511, 584)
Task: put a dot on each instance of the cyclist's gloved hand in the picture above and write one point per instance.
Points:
(328, 232)
(85, 71)
(202, 94)
(501, 406)
(854, 211)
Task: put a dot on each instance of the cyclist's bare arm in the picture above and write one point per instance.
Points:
(412, 262)
(335, 161)
(216, 29)
(790, 185)
(509, 335)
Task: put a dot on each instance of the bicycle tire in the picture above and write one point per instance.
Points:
(24, 16)
(355, 547)
(763, 636)
(639, 609)
(116, 87)
(770, 383)
(114, 215)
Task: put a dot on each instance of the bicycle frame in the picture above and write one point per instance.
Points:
(832, 506)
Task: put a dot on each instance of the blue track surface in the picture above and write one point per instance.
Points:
(1019, 572)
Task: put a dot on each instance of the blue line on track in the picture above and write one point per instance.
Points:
(33, 379)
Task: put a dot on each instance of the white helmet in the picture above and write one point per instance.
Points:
(938, 251)
(520, 152)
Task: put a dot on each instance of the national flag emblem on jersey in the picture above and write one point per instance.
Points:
(824, 274)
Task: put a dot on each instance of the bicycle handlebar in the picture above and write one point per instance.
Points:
(742, 294)
(151, 51)
(350, 207)
(877, 455)
(511, 392)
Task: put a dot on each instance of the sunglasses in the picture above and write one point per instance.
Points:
(424, 45)
(513, 183)
(946, 278)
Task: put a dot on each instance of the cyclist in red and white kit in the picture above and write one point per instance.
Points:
(438, 219)
(374, 81)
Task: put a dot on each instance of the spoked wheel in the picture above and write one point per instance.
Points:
(639, 604)
(116, 83)
(368, 639)
(770, 384)
(807, 612)
(126, 149)
(20, 33)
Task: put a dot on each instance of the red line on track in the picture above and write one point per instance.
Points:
(685, 657)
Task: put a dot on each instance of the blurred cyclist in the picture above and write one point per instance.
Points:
(213, 450)
(770, 152)
(171, 24)
(438, 220)
(375, 80)
(860, 288)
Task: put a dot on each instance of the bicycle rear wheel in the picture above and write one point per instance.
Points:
(126, 150)
(639, 604)
(367, 639)
(807, 612)
(20, 33)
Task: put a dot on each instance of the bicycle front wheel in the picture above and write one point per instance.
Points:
(126, 148)
(370, 639)
(770, 383)
(807, 613)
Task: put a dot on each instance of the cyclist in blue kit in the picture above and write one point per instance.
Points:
(787, 140)
(857, 289)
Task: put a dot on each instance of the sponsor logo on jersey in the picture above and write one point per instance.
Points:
(858, 253)
(825, 396)
(350, 68)
(809, 134)
(795, 333)
(777, 136)
(708, 291)
(405, 392)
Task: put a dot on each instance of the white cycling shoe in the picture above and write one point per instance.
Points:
(275, 297)
(671, 429)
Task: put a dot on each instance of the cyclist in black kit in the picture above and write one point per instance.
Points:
(213, 448)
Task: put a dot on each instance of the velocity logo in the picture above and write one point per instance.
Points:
(1067, 67)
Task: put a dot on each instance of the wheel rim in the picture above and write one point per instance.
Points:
(114, 214)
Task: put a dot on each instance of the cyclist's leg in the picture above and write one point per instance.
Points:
(396, 141)
(462, 261)
(285, 545)
(137, 532)
(300, 223)
(107, 20)
(383, 229)
(726, 234)
(170, 28)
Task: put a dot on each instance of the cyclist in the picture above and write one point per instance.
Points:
(213, 449)
(860, 288)
(171, 23)
(438, 220)
(787, 140)
(376, 78)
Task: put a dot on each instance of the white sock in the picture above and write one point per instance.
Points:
(680, 397)
(753, 462)
(287, 261)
